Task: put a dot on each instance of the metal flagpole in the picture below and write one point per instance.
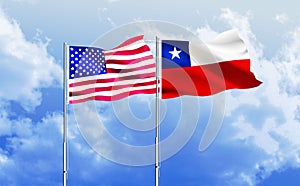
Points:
(65, 130)
(157, 116)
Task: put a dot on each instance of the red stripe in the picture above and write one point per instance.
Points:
(116, 97)
(209, 79)
(130, 41)
(131, 69)
(126, 62)
(88, 82)
(141, 49)
(110, 88)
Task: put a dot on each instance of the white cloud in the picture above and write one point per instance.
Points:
(104, 16)
(281, 18)
(26, 1)
(34, 149)
(260, 137)
(26, 66)
(28, 143)
(112, 1)
(206, 34)
(287, 63)
(246, 178)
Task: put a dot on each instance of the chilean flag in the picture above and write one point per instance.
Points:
(205, 69)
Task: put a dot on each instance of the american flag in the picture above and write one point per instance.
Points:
(108, 75)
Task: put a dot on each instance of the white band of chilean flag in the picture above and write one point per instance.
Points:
(227, 46)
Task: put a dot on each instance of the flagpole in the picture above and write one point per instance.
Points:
(65, 117)
(157, 116)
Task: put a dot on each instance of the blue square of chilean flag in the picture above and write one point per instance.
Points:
(175, 54)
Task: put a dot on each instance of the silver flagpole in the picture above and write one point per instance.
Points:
(157, 116)
(65, 130)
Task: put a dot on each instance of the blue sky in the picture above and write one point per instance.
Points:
(259, 141)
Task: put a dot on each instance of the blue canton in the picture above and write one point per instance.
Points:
(175, 54)
(86, 61)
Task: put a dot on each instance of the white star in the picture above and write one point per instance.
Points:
(175, 53)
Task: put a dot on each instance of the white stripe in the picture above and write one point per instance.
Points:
(129, 66)
(226, 47)
(113, 92)
(112, 75)
(111, 84)
(132, 46)
(128, 57)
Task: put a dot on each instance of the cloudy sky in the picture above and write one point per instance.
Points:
(258, 143)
